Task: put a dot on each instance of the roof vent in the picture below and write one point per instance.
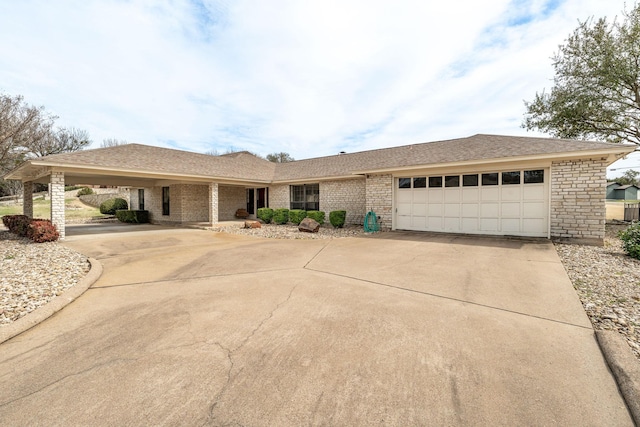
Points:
(342, 152)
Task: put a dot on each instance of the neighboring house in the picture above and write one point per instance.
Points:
(483, 184)
(617, 191)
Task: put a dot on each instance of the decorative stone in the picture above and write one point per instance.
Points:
(252, 224)
(309, 225)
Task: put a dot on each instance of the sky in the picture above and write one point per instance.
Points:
(310, 78)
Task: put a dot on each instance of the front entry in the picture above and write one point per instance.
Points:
(251, 201)
(257, 198)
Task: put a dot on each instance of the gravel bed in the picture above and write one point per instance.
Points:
(32, 274)
(273, 231)
(608, 284)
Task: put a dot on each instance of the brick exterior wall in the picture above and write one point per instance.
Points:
(346, 195)
(193, 202)
(27, 198)
(578, 200)
(279, 196)
(57, 202)
(379, 198)
(230, 199)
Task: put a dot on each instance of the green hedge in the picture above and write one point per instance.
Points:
(84, 191)
(109, 207)
(265, 214)
(337, 218)
(281, 216)
(140, 217)
(318, 216)
(631, 240)
(297, 215)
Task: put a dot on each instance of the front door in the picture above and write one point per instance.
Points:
(262, 198)
(250, 201)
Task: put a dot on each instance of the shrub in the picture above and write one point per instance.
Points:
(265, 214)
(71, 187)
(109, 207)
(631, 240)
(140, 217)
(297, 215)
(336, 218)
(318, 216)
(281, 216)
(17, 224)
(42, 230)
(84, 191)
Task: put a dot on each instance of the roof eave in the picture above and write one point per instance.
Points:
(612, 156)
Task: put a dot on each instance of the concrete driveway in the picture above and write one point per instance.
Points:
(190, 327)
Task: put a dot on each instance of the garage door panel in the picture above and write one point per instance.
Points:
(489, 224)
(488, 194)
(489, 210)
(434, 223)
(470, 210)
(451, 210)
(434, 209)
(511, 209)
(510, 225)
(451, 195)
(435, 195)
(419, 209)
(511, 192)
(533, 192)
(404, 209)
(470, 225)
(420, 196)
(452, 224)
(419, 223)
(534, 210)
(404, 196)
(470, 195)
(534, 225)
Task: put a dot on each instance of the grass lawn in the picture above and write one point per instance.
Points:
(74, 209)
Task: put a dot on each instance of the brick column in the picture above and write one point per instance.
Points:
(379, 198)
(27, 198)
(213, 203)
(57, 202)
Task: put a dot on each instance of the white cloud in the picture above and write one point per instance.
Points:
(310, 78)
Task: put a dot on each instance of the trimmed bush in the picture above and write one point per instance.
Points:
(139, 217)
(42, 230)
(17, 224)
(84, 191)
(337, 218)
(281, 216)
(71, 187)
(631, 240)
(38, 230)
(265, 214)
(297, 215)
(109, 207)
(318, 216)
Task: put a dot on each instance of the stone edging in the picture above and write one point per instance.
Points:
(58, 303)
(625, 368)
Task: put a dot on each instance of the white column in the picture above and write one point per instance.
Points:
(57, 202)
(213, 202)
(27, 198)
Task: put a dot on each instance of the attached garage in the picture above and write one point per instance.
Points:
(506, 202)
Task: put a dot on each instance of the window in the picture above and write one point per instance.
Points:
(510, 178)
(469, 180)
(306, 197)
(165, 200)
(489, 179)
(452, 181)
(534, 177)
(404, 182)
(420, 182)
(141, 199)
(435, 181)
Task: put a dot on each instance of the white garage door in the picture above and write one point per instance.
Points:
(513, 202)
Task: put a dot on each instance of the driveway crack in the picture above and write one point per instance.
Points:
(230, 352)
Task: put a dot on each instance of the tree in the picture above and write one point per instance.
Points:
(112, 142)
(596, 92)
(27, 131)
(280, 157)
(630, 177)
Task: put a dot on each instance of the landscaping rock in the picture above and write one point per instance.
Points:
(252, 224)
(309, 225)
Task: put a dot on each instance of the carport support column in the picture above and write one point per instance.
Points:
(57, 202)
(27, 198)
(213, 202)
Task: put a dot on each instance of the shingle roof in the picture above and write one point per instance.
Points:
(145, 158)
(474, 148)
(245, 166)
